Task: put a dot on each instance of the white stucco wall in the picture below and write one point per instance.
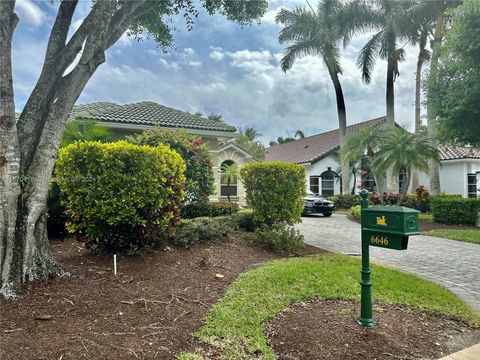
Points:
(317, 168)
(454, 176)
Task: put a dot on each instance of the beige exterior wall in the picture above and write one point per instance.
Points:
(229, 152)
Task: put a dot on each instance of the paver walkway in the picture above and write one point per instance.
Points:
(453, 264)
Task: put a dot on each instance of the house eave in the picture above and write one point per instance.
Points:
(142, 127)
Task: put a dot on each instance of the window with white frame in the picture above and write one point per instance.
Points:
(315, 184)
(228, 179)
(328, 183)
(472, 185)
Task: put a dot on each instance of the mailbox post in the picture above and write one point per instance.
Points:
(383, 226)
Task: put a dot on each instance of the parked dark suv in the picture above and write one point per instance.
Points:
(318, 205)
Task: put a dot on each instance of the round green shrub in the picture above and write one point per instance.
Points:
(198, 173)
(120, 196)
(280, 238)
(275, 191)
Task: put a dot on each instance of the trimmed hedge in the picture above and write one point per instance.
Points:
(275, 191)
(454, 209)
(355, 212)
(120, 196)
(345, 201)
(201, 229)
(212, 209)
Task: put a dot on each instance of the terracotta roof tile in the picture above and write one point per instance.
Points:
(458, 152)
(313, 148)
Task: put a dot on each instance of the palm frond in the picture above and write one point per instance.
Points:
(368, 55)
(296, 50)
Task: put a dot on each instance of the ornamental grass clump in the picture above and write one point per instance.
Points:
(121, 197)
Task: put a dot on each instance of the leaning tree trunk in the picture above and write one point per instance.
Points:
(29, 146)
(392, 181)
(434, 172)
(342, 126)
(418, 91)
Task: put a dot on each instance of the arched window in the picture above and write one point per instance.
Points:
(328, 183)
(229, 179)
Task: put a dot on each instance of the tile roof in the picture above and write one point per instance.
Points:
(146, 113)
(458, 152)
(313, 148)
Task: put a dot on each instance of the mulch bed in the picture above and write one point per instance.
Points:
(328, 330)
(151, 310)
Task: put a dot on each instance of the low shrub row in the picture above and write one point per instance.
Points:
(201, 229)
(454, 209)
(355, 212)
(345, 201)
(212, 209)
(280, 237)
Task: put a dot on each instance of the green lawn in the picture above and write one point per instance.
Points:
(236, 324)
(467, 235)
(422, 216)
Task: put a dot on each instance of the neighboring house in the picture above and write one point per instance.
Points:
(459, 173)
(129, 119)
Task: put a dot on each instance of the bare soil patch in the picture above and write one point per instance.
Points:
(151, 310)
(328, 330)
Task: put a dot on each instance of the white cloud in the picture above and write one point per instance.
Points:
(189, 51)
(269, 17)
(195, 63)
(30, 12)
(216, 54)
(169, 65)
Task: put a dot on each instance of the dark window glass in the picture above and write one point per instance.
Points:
(472, 185)
(328, 184)
(314, 184)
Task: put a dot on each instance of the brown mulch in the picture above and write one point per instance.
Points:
(328, 330)
(151, 310)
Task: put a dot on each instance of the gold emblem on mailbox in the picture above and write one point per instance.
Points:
(381, 220)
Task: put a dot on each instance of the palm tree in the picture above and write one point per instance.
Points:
(281, 140)
(249, 133)
(320, 34)
(230, 174)
(405, 151)
(423, 55)
(393, 21)
(84, 130)
(299, 134)
(364, 144)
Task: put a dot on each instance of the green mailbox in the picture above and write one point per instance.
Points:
(389, 226)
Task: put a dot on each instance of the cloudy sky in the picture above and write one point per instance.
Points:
(220, 68)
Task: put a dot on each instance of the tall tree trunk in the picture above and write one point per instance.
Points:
(434, 173)
(392, 178)
(24, 175)
(418, 92)
(342, 126)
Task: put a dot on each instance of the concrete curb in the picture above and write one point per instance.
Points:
(471, 353)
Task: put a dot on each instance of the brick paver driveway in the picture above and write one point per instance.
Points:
(453, 264)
